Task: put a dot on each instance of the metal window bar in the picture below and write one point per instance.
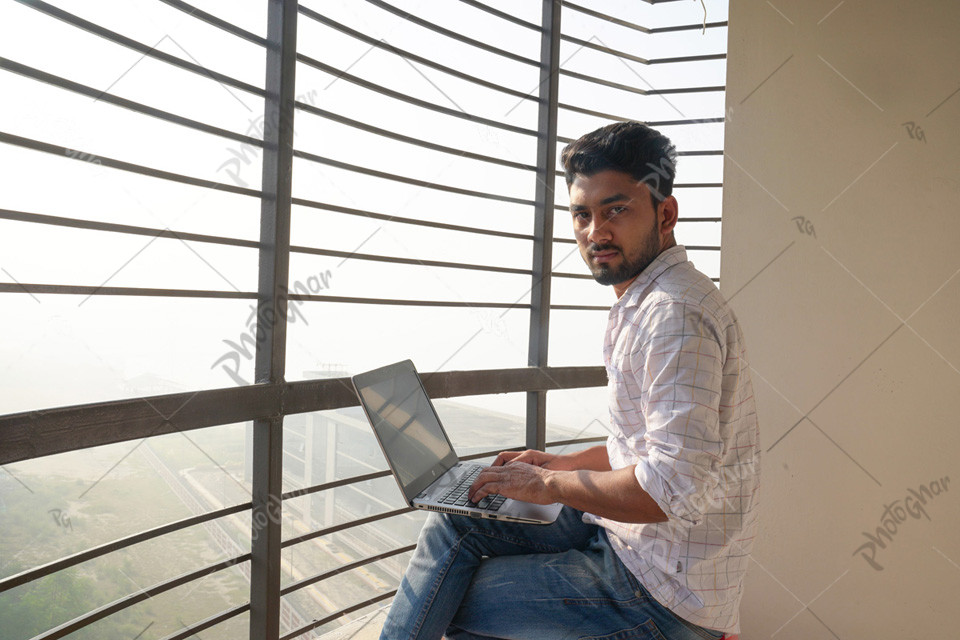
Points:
(203, 625)
(374, 173)
(138, 596)
(270, 356)
(113, 36)
(339, 614)
(591, 12)
(632, 25)
(518, 58)
(80, 155)
(549, 85)
(102, 96)
(213, 20)
(412, 57)
(36, 573)
(372, 86)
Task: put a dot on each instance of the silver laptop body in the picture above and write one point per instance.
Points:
(419, 451)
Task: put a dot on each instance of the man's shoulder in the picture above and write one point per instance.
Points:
(683, 290)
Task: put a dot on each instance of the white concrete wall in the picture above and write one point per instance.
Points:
(851, 316)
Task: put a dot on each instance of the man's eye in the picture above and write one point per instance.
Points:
(616, 211)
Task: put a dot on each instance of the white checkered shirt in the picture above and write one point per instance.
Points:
(682, 410)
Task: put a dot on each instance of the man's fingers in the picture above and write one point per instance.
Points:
(504, 457)
(481, 487)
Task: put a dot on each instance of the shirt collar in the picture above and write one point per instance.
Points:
(667, 258)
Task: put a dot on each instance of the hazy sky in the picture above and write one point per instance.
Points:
(68, 349)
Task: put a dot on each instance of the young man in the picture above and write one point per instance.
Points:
(655, 535)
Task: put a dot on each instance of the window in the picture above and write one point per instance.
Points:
(131, 256)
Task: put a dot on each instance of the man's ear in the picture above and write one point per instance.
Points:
(668, 211)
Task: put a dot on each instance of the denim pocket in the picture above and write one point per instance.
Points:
(645, 631)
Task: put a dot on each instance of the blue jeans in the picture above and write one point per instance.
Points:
(471, 578)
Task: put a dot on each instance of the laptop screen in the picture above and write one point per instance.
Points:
(406, 425)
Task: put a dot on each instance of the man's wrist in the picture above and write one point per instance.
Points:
(553, 481)
(565, 462)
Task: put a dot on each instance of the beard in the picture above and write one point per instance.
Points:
(630, 265)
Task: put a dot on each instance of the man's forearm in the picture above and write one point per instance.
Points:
(610, 494)
(594, 458)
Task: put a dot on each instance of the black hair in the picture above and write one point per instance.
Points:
(633, 148)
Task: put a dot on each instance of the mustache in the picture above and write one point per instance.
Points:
(596, 248)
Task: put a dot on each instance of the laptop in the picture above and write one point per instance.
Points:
(420, 454)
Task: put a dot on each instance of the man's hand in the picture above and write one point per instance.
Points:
(515, 479)
(530, 456)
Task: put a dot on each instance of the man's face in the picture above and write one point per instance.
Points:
(616, 226)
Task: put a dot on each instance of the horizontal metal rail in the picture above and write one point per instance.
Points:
(567, 443)
(376, 88)
(319, 533)
(689, 247)
(137, 107)
(590, 12)
(612, 116)
(385, 133)
(65, 289)
(80, 155)
(563, 207)
(121, 543)
(94, 225)
(374, 173)
(393, 218)
(339, 614)
(410, 261)
(139, 47)
(559, 274)
(412, 57)
(586, 44)
(138, 596)
(453, 35)
(112, 227)
(660, 123)
(206, 623)
(320, 577)
(571, 241)
(213, 20)
(333, 484)
(88, 290)
(626, 87)
(44, 432)
(575, 276)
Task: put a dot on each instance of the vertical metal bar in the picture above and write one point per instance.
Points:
(272, 315)
(543, 217)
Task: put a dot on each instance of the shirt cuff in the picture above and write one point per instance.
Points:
(681, 509)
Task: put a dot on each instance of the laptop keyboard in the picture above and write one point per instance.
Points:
(457, 495)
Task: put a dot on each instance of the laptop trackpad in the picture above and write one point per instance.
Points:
(529, 511)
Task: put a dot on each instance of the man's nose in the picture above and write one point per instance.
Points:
(598, 232)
